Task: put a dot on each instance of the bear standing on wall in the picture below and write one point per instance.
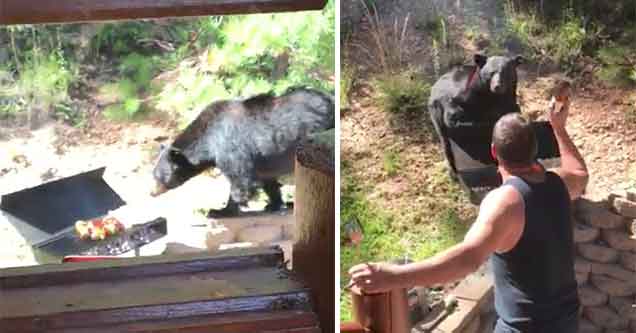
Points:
(252, 142)
(466, 102)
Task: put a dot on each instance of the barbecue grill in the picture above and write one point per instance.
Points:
(45, 216)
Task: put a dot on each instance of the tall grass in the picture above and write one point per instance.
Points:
(389, 49)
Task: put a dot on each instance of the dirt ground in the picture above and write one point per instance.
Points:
(127, 150)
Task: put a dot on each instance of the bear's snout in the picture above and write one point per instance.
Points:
(495, 84)
(159, 189)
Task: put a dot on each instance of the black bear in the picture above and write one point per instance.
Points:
(466, 102)
(251, 141)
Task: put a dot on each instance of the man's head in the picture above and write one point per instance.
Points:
(514, 143)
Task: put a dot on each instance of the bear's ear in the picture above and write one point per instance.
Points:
(480, 59)
(177, 157)
(519, 60)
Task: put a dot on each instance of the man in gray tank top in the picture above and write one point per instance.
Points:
(523, 227)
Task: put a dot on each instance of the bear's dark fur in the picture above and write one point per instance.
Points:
(251, 141)
(466, 102)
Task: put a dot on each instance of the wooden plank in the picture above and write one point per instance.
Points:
(139, 267)
(245, 322)
(151, 298)
(38, 11)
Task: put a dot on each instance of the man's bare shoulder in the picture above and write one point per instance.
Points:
(503, 197)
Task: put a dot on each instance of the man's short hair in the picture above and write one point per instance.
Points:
(514, 140)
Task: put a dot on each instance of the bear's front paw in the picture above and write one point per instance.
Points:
(274, 206)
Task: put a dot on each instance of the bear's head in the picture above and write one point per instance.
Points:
(498, 73)
(172, 169)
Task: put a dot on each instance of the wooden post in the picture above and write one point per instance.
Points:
(38, 11)
(314, 243)
(381, 313)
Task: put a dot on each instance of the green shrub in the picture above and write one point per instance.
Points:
(44, 80)
(401, 93)
(391, 162)
(254, 54)
(568, 40)
(129, 92)
(618, 65)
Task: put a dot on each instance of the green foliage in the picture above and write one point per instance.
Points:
(138, 71)
(347, 81)
(391, 162)
(255, 54)
(178, 65)
(563, 40)
(70, 114)
(568, 39)
(120, 38)
(43, 83)
(619, 65)
(401, 93)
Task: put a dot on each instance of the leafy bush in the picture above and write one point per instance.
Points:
(618, 60)
(391, 162)
(128, 92)
(568, 39)
(255, 54)
(401, 93)
(44, 81)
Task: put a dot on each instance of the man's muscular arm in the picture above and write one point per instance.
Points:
(573, 170)
(500, 219)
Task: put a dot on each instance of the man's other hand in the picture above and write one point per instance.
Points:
(559, 112)
(373, 278)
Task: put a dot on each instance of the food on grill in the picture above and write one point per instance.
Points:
(98, 229)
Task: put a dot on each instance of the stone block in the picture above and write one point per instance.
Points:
(584, 233)
(597, 214)
(625, 207)
(597, 253)
(628, 260)
(604, 316)
(614, 195)
(591, 296)
(624, 306)
(613, 270)
(586, 326)
(581, 277)
(619, 239)
(582, 266)
(613, 287)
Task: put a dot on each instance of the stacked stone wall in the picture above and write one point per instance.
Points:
(605, 265)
